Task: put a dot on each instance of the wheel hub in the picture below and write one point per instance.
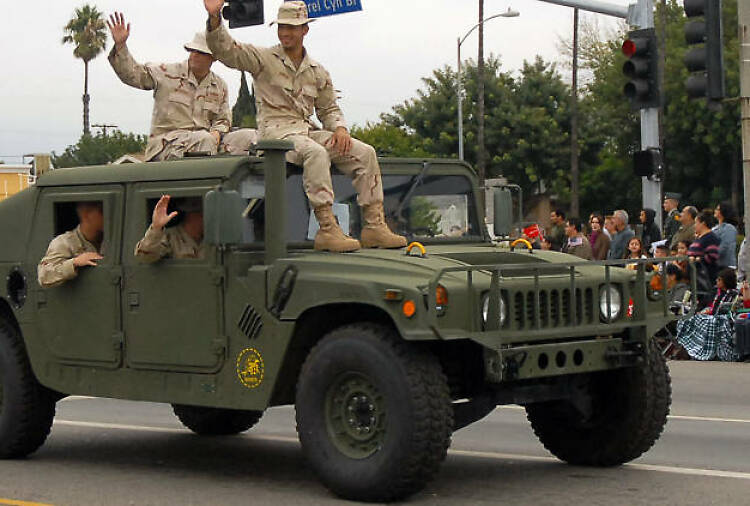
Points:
(355, 415)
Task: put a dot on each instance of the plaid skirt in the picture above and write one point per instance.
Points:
(707, 337)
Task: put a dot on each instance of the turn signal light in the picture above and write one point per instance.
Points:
(441, 296)
(409, 308)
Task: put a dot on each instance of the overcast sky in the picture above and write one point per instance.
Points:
(376, 57)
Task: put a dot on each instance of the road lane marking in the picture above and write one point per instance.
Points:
(715, 473)
(13, 502)
(691, 418)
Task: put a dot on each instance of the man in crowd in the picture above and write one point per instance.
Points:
(556, 233)
(686, 231)
(290, 86)
(182, 241)
(705, 247)
(609, 226)
(75, 249)
(191, 108)
(672, 219)
(577, 244)
(623, 235)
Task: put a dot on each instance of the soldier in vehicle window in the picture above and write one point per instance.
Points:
(184, 240)
(77, 248)
(191, 108)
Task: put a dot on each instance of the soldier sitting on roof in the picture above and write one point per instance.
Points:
(191, 108)
(182, 241)
(80, 247)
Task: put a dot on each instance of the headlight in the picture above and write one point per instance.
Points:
(615, 303)
(502, 310)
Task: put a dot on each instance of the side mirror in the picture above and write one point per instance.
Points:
(222, 220)
(503, 215)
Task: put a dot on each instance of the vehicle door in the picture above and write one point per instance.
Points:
(172, 307)
(80, 319)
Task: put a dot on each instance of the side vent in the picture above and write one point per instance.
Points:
(250, 322)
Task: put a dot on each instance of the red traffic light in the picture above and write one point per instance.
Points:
(629, 48)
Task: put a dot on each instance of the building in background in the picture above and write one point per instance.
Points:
(17, 177)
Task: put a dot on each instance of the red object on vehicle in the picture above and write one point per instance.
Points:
(532, 231)
(630, 308)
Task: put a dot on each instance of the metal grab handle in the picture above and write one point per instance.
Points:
(524, 242)
(422, 250)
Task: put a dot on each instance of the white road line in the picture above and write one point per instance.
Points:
(692, 418)
(715, 473)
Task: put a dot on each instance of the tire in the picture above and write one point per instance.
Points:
(216, 421)
(400, 413)
(629, 412)
(26, 407)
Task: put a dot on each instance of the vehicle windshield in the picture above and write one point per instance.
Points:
(434, 208)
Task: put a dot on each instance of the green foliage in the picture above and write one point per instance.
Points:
(87, 32)
(389, 140)
(424, 218)
(244, 112)
(100, 149)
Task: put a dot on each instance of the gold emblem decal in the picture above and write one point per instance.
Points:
(250, 368)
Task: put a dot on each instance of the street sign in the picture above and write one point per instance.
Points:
(320, 8)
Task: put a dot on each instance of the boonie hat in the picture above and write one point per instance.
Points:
(292, 13)
(198, 44)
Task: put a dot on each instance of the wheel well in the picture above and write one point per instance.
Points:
(311, 326)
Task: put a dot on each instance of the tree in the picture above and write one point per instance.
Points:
(389, 140)
(100, 149)
(87, 32)
(244, 112)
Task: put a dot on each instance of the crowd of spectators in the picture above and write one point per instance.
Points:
(707, 241)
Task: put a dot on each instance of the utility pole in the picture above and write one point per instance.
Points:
(480, 97)
(744, 32)
(574, 190)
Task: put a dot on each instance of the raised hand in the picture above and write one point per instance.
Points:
(213, 7)
(119, 30)
(160, 218)
(87, 259)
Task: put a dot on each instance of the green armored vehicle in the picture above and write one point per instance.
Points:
(384, 353)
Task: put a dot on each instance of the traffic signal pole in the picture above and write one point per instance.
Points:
(744, 22)
(640, 14)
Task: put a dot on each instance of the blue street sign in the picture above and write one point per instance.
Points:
(320, 8)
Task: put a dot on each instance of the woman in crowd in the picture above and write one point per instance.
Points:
(726, 231)
(651, 231)
(598, 238)
(709, 334)
(705, 252)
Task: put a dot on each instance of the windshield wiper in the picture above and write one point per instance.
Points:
(407, 195)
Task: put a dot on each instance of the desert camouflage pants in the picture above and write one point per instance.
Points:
(361, 164)
(175, 144)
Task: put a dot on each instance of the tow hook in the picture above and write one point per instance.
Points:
(513, 363)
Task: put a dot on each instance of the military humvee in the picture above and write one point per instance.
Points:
(384, 353)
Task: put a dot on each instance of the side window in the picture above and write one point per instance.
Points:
(184, 232)
(88, 214)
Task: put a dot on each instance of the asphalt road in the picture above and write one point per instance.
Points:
(104, 452)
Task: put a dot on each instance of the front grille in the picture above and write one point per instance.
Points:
(555, 308)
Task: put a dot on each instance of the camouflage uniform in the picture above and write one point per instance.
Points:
(185, 111)
(287, 97)
(168, 242)
(57, 265)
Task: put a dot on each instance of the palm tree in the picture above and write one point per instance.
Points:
(87, 32)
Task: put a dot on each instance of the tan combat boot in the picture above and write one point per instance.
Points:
(330, 237)
(375, 233)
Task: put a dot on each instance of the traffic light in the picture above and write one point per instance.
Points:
(642, 68)
(707, 61)
(243, 13)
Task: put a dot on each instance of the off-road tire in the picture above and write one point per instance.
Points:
(630, 408)
(410, 413)
(216, 421)
(26, 407)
